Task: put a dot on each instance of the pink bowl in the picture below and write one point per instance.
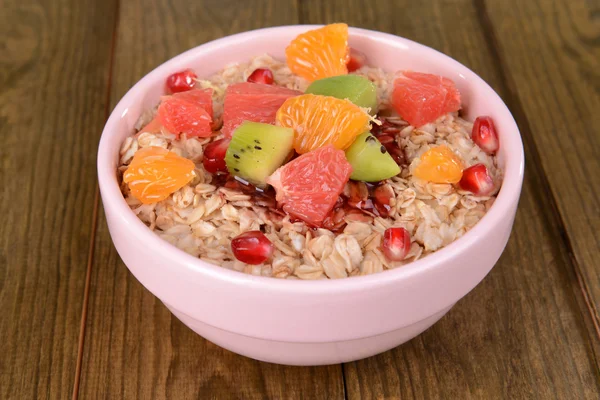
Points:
(310, 322)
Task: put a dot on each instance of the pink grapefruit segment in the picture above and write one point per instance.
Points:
(187, 112)
(309, 186)
(252, 102)
(421, 98)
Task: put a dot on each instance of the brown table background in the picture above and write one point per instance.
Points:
(76, 323)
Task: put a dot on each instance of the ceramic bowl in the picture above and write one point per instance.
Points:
(311, 322)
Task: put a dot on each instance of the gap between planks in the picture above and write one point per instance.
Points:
(517, 108)
(90, 259)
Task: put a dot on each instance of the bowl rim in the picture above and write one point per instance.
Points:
(113, 198)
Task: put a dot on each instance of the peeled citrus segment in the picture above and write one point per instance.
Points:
(155, 173)
(439, 165)
(319, 53)
(309, 186)
(422, 98)
(321, 120)
(153, 126)
(187, 112)
(254, 102)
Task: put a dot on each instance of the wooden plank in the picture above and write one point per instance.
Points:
(53, 98)
(553, 61)
(134, 347)
(521, 333)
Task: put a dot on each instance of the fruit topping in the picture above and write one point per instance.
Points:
(393, 149)
(252, 102)
(309, 186)
(181, 81)
(155, 173)
(187, 112)
(252, 247)
(153, 126)
(356, 61)
(477, 180)
(358, 195)
(422, 98)
(484, 135)
(359, 90)
(439, 165)
(319, 53)
(321, 120)
(257, 150)
(383, 195)
(261, 75)
(370, 160)
(214, 156)
(396, 244)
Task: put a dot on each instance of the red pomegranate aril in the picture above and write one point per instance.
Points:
(389, 142)
(484, 135)
(396, 244)
(181, 81)
(377, 130)
(356, 60)
(261, 75)
(477, 180)
(214, 156)
(383, 195)
(252, 247)
(359, 194)
(335, 220)
(386, 139)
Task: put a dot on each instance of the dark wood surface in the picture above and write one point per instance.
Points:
(529, 330)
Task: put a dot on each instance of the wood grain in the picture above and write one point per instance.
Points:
(522, 332)
(134, 347)
(53, 95)
(553, 62)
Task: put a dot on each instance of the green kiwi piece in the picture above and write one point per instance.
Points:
(256, 150)
(370, 160)
(359, 90)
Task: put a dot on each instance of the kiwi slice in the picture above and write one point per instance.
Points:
(359, 90)
(256, 150)
(370, 160)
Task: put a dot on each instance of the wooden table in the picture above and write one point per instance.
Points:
(75, 323)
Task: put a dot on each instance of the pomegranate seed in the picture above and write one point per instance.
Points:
(335, 220)
(380, 129)
(356, 60)
(484, 135)
(392, 147)
(214, 156)
(261, 75)
(396, 243)
(181, 81)
(477, 180)
(359, 194)
(252, 247)
(383, 197)
(354, 215)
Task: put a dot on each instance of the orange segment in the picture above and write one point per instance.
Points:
(321, 120)
(439, 165)
(155, 173)
(319, 53)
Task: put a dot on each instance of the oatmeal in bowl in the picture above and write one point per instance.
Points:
(239, 181)
(319, 166)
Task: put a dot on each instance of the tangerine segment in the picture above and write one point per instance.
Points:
(155, 173)
(321, 120)
(439, 165)
(319, 53)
